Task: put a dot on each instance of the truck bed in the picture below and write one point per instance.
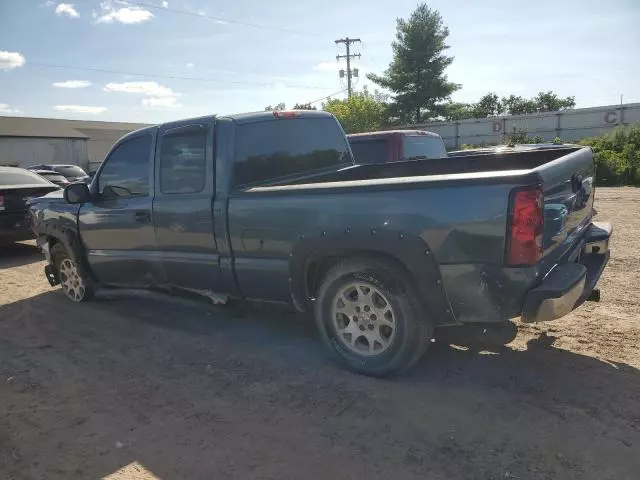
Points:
(513, 162)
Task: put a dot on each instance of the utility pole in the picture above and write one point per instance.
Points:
(347, 42)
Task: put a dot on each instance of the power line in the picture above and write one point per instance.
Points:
(347, 42)
(328, 96)
(171, 77)
(223, 20)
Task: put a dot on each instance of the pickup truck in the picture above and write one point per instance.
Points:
(396, 146)
(270, 206)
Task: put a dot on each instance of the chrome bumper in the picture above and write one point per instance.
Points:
(568, 285)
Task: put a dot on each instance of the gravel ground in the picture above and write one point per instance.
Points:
(139, 387)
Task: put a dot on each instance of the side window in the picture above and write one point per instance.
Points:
(126, 170)
(183, 167)
(280, 148)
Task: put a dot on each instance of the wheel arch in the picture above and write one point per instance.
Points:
(312, 258)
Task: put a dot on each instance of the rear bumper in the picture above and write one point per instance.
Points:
(15, 227)
(569, 284)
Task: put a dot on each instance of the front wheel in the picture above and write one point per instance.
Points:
(76, 285)
(369, 316)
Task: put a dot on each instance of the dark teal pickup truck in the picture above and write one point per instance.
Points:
(270, 206)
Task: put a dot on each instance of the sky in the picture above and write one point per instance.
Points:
(157, 60)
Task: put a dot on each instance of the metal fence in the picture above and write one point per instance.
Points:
(569, 125)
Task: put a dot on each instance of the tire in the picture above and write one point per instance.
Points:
(390, 336)
(76, 284)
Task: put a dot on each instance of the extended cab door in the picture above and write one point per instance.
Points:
(183, 207)
(116, 226)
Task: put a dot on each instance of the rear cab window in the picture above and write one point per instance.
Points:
(423, 146)
(273, 149)
(370, 150)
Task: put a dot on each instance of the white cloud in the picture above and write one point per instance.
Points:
(5, 108)
(171, 102)
(72, 84)
(80, 109)
(165, 4)
(9, 60)
(67, 9)
(191, 65)
(328, 66)
(126, 15)
(202, 12)
(152, 89)
(49, 3)
(157, 95)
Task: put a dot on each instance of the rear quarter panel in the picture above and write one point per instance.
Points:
(462, 226)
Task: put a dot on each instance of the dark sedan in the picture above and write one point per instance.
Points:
(17, 187)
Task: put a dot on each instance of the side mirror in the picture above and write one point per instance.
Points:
(77, 193)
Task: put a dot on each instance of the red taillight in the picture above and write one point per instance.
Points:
(524, 241)
(282, 114)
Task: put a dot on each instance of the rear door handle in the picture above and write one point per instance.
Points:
(143, 216)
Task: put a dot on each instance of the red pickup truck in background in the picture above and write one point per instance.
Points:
(396, 146)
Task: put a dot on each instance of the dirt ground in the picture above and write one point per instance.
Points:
(134, 386)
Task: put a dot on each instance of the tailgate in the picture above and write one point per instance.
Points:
(569, 187)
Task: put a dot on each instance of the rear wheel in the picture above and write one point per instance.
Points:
(370, 317)
(76, 285)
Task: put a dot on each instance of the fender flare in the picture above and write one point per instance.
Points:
(70, 239)
(408, 249)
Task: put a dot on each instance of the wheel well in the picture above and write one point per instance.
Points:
(318, 266)
(52, 241)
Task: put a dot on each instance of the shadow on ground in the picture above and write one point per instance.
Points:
(17, 254)
(193, 391)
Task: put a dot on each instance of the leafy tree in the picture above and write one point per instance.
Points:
(416, 74)
(363, 112)
(304, 106)
(458, 111)
(279, 106)
(550, 102)
(488, 106)
(517, 105)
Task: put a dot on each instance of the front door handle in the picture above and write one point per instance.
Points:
(143, 216)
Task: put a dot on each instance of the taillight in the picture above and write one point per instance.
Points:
(285, 114)
(524, 235)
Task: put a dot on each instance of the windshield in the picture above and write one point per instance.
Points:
(20, 177)
(370, 150)
(70, 171)
(423, 146)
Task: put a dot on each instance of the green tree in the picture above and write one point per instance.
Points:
(363, 112)
(304, 106)
(458, 111)
(416, 74)
(517, 105)
(550, 102)
(489, 105)
(279, 106)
